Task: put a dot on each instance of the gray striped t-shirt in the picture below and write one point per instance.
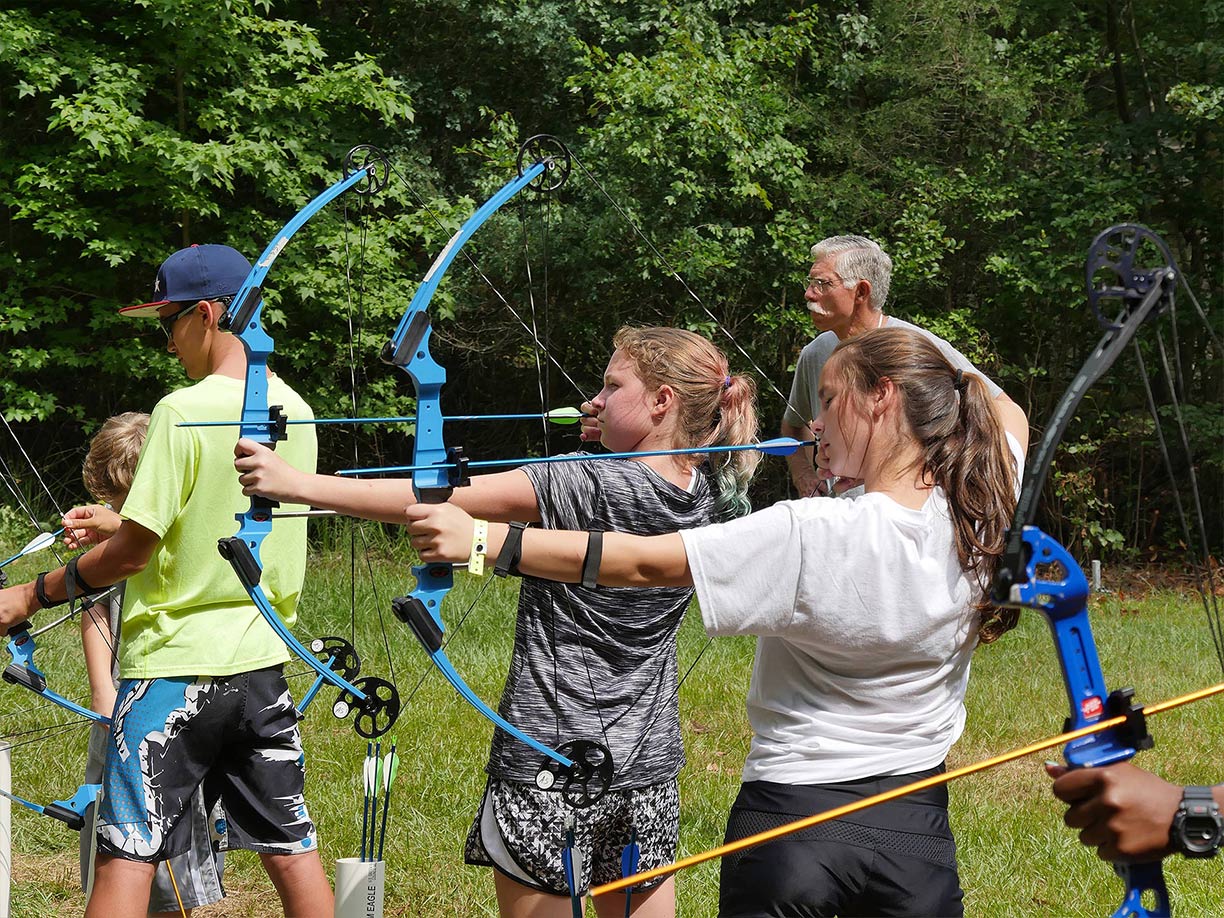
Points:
(600, 664)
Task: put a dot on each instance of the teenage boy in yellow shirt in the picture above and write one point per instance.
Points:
(202, 698)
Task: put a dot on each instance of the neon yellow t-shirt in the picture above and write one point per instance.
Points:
(187, 613)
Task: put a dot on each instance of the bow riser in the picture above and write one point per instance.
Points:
(23, 671)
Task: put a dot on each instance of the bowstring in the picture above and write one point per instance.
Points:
(1197, 543)
(82, 604)
(355, 330)
(543, 386)
(675, 275)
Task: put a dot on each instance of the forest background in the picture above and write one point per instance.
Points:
(984, 144)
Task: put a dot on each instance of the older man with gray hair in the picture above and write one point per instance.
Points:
(846, 289)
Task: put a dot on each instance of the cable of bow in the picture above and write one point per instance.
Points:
(21, 645)
(376, 701)
(584, 767)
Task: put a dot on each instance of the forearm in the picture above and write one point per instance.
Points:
(97, 643)
(801, 462)
(118, 558)
(626, 560)
(380, 499)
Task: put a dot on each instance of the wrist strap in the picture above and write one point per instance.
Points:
(480, 547)
(40, 592)
(590, 564)
(75, 583)
(512, 551)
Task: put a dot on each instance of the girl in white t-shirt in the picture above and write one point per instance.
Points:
(588, 663)
(867, 613)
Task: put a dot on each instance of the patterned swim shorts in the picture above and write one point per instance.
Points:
(237, 735)
(521, 831)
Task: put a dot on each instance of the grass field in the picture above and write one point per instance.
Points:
(1016, 857)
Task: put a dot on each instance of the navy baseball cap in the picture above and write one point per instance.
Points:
(199, 272)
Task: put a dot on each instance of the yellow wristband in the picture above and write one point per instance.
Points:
(480, 547)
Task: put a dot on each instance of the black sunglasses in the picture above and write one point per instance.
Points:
(167, 322)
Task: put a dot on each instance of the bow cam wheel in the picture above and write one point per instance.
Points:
(373, 162)
(340, 653)
(549, 150)
(381, 708)
(584, 782)
(1124, 263)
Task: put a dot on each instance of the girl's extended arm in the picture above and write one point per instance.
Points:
(503, 496)
(443, 532)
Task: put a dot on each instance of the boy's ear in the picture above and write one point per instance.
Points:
(212, 313)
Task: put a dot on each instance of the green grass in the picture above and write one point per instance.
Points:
(1016, 857)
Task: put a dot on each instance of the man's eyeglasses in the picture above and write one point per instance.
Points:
(822, 286)
(167, 322)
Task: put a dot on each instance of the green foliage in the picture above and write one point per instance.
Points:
(983, 144)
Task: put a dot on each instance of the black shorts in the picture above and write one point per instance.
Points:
(895, 859)
(237, 735)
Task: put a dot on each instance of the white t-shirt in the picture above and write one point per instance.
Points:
(865, 627)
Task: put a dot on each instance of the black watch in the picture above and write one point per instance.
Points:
(1198, 828)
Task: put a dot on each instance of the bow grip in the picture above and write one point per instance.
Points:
(1141, 879)
(420, 610)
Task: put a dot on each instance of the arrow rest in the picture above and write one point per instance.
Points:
(1118, 255)
(584, 781)
(547, 149)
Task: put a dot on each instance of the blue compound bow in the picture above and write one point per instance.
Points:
(1036, 572)
(583, 766)
(375, 700)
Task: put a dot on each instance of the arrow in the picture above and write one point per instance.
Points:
(390, 769)
(367, 777)
(556, 416)
(779, 446)
(38, 543)
(376, 779)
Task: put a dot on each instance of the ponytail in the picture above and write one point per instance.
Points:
(961, 447)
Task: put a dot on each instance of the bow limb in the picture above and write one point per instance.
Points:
(439, 469)
(376, 701)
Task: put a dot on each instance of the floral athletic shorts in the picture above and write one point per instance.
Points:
(521, 831)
